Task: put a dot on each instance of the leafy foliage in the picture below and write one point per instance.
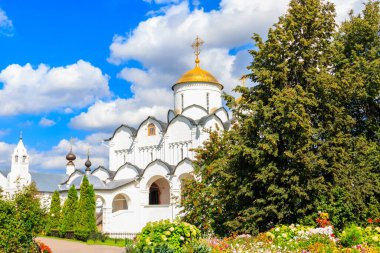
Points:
(165, 235)
(306, 137)
(69, 210)
(85, 214)
(55, 212)
(21, 219)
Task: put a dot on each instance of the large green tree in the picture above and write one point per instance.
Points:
(293, 148)
(69, 210)
(55, 212)
(85, 214)
(21, 220)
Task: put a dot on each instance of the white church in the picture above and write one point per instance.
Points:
(146, 164)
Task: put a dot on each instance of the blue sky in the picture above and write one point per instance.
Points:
(78, 69)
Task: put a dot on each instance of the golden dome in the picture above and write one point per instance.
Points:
(197, 75)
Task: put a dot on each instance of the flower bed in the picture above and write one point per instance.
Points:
(177, 237)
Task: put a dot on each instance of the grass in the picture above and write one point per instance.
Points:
(108, 242)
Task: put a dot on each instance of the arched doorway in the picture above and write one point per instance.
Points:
(159, 192)
(119, 203)
(99, 212)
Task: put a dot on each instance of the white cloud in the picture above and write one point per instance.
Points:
(162, 1)
(43, 89)
(162, 45)
(6, 25)
(55, 158)
(45, 122)
(5, 155)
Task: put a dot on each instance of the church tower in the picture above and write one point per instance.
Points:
(19, 175)
(197, 93)
(70, 157)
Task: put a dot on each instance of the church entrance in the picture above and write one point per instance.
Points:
(159, 192)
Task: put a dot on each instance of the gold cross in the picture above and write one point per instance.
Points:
(197, 48)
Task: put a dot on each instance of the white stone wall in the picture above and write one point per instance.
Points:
(196, 94)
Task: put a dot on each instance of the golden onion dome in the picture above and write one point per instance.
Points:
(197, 75)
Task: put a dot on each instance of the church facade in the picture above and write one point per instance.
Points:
(148, 164)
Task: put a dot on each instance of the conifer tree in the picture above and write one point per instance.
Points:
(85, 214)
(296, 147)
(55, 211)
(69, 210)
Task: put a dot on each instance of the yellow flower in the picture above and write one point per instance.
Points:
(375, 238)
(368, 229)
(377, 229)
(269, 234)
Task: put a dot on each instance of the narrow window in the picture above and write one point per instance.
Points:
(182, 101)
(24, 158)
(181, 153)
(151, 156)
(154, 195)
(208, 102)
(151, 129)
(16, 158)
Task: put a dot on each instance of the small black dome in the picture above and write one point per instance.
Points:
(88, 163)
(70, 156)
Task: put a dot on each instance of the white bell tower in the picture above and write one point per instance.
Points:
(19, 175)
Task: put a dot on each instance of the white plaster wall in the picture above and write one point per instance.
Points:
(73, 176)
(196, 93)
(101, 174)
(156, 213)
(3, 182)
(125, 172)
(122, 140)
(184, 168)
(222, 114)
(194, 112)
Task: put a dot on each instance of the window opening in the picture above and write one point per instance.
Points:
(151, 129)
(154, 195)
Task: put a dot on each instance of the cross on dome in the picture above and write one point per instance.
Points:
(197, 48)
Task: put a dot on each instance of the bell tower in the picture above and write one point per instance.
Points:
(19, 175)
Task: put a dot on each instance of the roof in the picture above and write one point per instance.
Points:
(198, 75)
(47, 182)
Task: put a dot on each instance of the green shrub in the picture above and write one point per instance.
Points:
(351, 236)
(128, 242)
(197, 247)
(173, 235)
(97, 236)
(81, 235)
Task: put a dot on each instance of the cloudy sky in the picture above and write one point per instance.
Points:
(78, 69)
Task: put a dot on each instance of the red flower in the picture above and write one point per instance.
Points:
(370, 220)
(377, 220)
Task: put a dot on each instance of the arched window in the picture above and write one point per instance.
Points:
(159, 192)
(154, 194)
(119, 203)
(151, 156)
(181, 153)
(24, 158)
(16, 158)
(151, 129)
